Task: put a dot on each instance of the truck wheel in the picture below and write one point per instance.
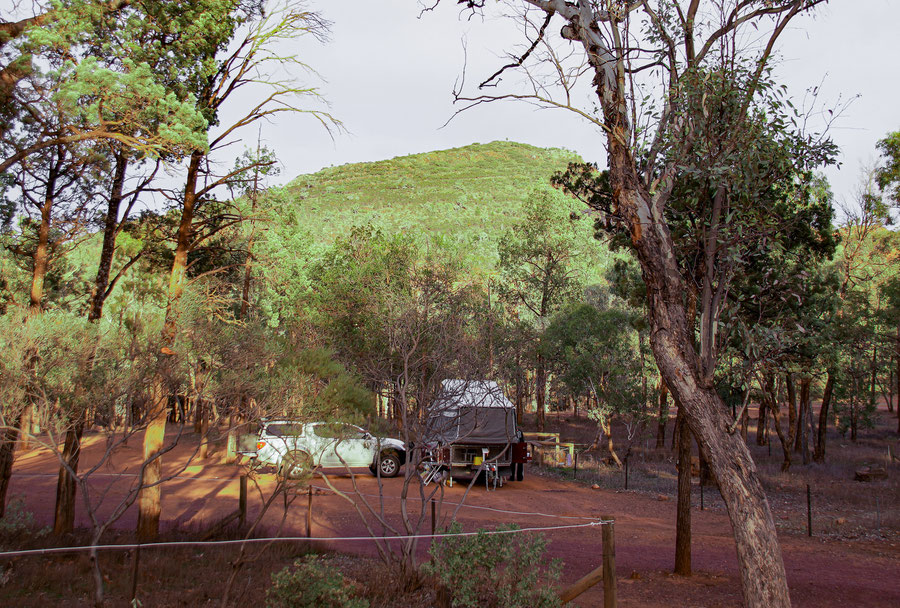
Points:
(520, 471)
(295, 464)
(389, 464)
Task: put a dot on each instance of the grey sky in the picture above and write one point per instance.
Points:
(389, 77)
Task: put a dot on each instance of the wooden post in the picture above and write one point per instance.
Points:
(242, 502)
(309, 513)
(609, 564)
(134, 573)
(433, 521)
(575, 471)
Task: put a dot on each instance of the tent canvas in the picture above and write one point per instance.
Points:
(473, 412)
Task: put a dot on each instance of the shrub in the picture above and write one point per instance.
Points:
(311, 583)
(17, 520)
(494, 570)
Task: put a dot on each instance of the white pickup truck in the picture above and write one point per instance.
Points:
(296, 448)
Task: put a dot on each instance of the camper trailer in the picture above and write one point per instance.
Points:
(471, 429)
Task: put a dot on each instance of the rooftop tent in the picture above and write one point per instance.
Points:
(474, 412)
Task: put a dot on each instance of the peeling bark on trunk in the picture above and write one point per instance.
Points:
(663, 418)
(683, 509)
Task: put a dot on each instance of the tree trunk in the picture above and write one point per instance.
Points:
(763, 576)
(204, 430)
(150, 497)
(7, 458)
(64, 516)
(761, 423)
(890, 386)
(540, 379)
(683, 511)
(792, 408)
(663, 418)
(41, 258)
(607, 428)
(874, 370)
(149, 500)
(771, 395)
(745, 425)
(802, 443)
(110, 230)
(819, 455)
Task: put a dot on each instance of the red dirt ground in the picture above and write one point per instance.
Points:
(821, 572)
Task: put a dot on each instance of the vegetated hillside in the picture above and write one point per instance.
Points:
(471, 194)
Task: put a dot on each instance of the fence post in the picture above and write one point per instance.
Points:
(309, 512)
(242, 502)
(134, 572)
(609, 563)
(575, 471)
(433, 522)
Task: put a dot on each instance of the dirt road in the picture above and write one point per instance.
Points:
(821, 572)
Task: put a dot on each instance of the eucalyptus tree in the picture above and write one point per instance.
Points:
(595, 352)
(678, 91)
(540, 271)
(251, 63)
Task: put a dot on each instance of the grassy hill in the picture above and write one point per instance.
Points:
(471, 194)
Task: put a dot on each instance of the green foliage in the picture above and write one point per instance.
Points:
(889, 174)
(311, 583)
(595, 352)
(471, 195)
(543, 256)
(495, 570)
(231, 362)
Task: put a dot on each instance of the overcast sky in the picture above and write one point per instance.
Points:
(389, 76)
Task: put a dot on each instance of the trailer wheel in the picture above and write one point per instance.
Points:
(520, 471)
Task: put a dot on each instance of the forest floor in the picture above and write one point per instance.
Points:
(851, 559)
